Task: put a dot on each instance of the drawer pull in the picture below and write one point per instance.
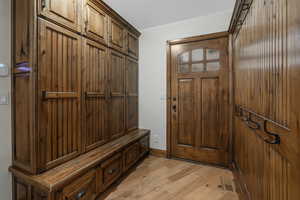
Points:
(111, 171)
(80, 195)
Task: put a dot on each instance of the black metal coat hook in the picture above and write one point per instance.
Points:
(276, 139)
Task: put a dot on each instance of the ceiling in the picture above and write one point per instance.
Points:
(149, 13)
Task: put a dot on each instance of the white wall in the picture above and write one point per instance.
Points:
(5, 127)
(152, 86)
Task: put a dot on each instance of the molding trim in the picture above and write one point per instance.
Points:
(158, 153)
(240, 13)
(240, 184)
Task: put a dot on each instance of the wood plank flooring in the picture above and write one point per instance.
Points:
(162, 179)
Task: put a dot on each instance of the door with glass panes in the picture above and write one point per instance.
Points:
(200, 101)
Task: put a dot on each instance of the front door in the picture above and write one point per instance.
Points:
(200, 101)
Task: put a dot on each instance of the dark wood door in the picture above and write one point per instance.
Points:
(66, 12)
(94, 84)
(95, 22)
(59, 94)
(116, 94)
(132, 45)
(200, 101)
(131, 94)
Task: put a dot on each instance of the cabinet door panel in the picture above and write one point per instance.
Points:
(95, 23)
(131, 94)
(117, 35)
(94, 91)
(117, 94)
(67, 12)
(59, 94)
(133, 45)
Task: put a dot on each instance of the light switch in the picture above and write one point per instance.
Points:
(4, 100)
(4, 71)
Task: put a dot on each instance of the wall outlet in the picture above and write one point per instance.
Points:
(4, 99)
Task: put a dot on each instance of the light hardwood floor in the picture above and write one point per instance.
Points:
(162, 179)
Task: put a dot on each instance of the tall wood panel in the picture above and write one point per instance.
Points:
(116, 78)
(94, 80)
(266, 73)
(59, 93)
(131, 94)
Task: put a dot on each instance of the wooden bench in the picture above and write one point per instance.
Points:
(87, 176)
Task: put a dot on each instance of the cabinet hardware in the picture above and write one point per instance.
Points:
(111, 171)
(80, 195)
(174, 107)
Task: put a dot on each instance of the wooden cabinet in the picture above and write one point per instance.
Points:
(131, 94)
(117, 35)
(96, 22)
(94, 91)
(69, 81)
(116, 94)
(132, 45)
(144, 145)
(59, 95)
(131, 155)
(83, 188)
(109, 171)
(67, 13)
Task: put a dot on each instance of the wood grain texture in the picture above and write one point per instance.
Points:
(266, 78)
(159, 178)
(59, 72)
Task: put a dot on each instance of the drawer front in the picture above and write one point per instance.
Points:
(109, 172)
(83, 188)
(131, 155)
(144, 145)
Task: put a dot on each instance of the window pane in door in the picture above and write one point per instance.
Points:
(213, 66)
(197, 67)
(184, 58)
(184, 68)
(212, 54)
(197, 55)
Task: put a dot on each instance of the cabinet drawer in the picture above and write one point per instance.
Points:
(83, 188)
(108, 172)
(131, 155)
(144, 146)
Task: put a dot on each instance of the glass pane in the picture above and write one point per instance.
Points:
(184, 58)
(213, 66)
(212, 54)
(198, 67)
(184, 68)
(197, 55)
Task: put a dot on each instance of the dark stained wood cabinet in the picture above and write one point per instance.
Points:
(132, 45)
(131, 94)
(116, 94)
(66, 13)
(69, 80)
(95, 22)
(59, 93)
(117, 35)
(94, 91)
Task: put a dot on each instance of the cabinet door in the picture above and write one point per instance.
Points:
(59, 94)
(94, 91)
(117, 35)
(117, 94)
(131, 94)
(66, 13)
(95, 23)
(132, 45)
(83, 188)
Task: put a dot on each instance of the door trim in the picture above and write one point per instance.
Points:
(169, 93)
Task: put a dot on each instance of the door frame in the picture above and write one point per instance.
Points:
(169, 85)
